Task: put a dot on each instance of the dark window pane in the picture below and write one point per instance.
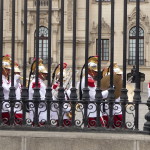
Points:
(103, 0)
(132, 46)
(42, 2)
(43, 44)
(104, 49)
(135, 0)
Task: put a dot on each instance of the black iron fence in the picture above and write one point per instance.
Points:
(70, 113)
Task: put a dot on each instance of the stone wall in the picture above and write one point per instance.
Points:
(33, 140)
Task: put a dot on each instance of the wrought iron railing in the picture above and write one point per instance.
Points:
(47, 114)
(73, 113)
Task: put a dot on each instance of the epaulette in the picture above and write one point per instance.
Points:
(91, 82)
(34, 85)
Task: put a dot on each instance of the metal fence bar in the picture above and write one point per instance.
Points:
(36, 95)
(1, 54)
(98, 96)
(25, 43)
(111, 97)
(73, 95)
(1, 39)
(124, 97)
(85, 95)
(12, 94)
(137, 96)
(48, 95)
(37, 38)
(61, 95)
(24, 93)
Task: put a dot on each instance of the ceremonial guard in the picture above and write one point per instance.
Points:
(66, 84)
(105, 84)
(18, 105)
(117, 111)
(6, 84)
(92, 73)
(42, 112)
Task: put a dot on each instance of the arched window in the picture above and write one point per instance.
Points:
(132, 46)
(43, 44)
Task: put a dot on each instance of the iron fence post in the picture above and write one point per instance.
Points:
(12, 94)
(48, 96)
(61, 95)
(137, 96)
(36, 95)
(124, 97)
(1, 55)
(24, 93)
(98, 96)
(73, 95)
(111, 97)
(86, 96)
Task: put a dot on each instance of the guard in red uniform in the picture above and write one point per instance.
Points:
(92, 73)
(42, 112)
(66, 107)
(117, 109)
(6, 67)
(18, 105)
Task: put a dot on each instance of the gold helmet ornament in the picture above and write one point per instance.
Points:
(41, 67)
(6, 62)
(16, 67)
(116, 69)
(92, 63)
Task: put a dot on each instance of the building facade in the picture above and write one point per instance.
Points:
(144, 32)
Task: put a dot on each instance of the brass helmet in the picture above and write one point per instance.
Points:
(16, 67)
(41, 67)
(92, 63)
(116, 69)
(6, 62)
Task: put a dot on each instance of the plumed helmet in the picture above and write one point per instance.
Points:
(41, 67)
(92, 63)
(16, 67)
(6, 62)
